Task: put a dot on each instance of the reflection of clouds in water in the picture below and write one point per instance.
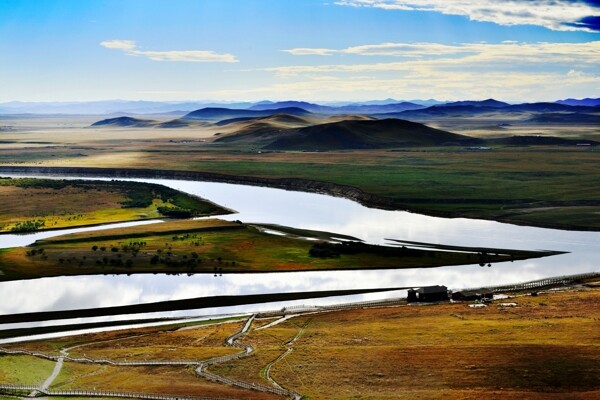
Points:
(319, 212)
(64, 293)
(105, 291)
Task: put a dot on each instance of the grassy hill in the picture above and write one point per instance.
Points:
(262, 129)
(366, 134)
(125, 122)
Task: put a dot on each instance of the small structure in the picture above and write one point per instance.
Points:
(471, 295)
(428, 294)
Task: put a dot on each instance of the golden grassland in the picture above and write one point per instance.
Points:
(205, 246)
(61, 204)
(187, 344)
(147, 379)
(269, 344)
(69, 207)
(545, 348)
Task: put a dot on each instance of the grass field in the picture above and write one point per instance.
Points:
(536, 185)
(38, 204)
(24, 370)
(544, 348)
(192, 343)
(215, 246)
(181, 381)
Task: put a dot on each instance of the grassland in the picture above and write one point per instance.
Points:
(24, 370)
(545, 348)
(192, 343)
(216, 246)
(536, 185)
(29, 204)
(148, 379)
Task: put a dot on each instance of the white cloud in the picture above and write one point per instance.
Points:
(125, 45)
(559, 15)
(130, 48)
(310, 52)
(459, 85)
(509, 70)
(435, 56)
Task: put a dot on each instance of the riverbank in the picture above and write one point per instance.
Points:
(330, 188)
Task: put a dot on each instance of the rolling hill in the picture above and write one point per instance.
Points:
(365, 134)
(261, 129)
(179, 123)
(125, 122)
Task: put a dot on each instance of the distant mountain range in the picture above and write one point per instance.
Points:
(346, 109)
(111, 107)
(472, 108)
(582, 102)
(489, 103)
(218, 114)
(128, 108)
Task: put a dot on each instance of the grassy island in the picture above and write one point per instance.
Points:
(217, 246)
(31, 204)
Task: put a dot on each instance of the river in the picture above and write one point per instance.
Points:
(318, 212)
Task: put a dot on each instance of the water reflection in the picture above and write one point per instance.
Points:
(319, 212)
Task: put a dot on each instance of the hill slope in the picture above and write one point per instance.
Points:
(262, 129)
(125, 122)
(374, 134)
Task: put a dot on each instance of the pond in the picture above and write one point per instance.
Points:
(318, 212)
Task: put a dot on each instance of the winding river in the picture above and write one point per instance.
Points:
(318, 212)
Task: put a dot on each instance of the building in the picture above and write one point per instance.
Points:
(428, 294)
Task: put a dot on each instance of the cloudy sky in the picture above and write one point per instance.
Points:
(315, 50)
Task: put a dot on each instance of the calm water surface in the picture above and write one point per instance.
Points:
(319, 212)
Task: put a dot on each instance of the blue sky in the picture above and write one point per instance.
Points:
(315, 50)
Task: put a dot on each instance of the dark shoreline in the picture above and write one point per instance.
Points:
(293, 184)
